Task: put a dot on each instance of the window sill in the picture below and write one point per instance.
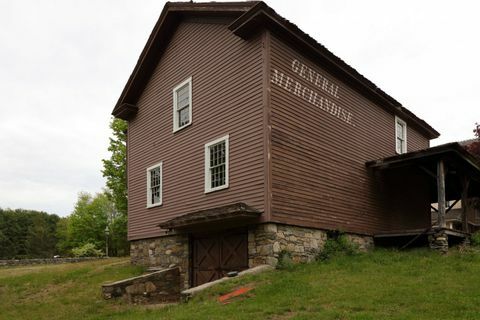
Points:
(216, 189)
(154, 205)
(183, 127)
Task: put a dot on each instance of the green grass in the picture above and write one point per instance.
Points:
(418, 284)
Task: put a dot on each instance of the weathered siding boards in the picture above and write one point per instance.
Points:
(227, 99)
(326, 154)
(415, 141)
(330, 169)
(267, 124)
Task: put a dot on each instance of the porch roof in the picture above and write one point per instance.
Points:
(459, 164)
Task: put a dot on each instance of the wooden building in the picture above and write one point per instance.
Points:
(247, 138)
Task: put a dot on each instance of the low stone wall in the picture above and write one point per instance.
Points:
(163, 252)
(156, 287)
(25, 262)
(266, 241)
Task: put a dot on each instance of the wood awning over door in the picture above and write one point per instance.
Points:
(230, 216)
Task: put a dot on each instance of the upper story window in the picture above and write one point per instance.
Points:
(182, 105)
(400, 136)
(216, 164)
(154, 185)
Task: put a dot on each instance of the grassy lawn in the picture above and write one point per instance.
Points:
(417, 284)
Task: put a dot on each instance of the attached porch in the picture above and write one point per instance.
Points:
(452, 177)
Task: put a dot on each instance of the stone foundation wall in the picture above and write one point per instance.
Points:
(364, 243)
(163, 252)
(266, 241)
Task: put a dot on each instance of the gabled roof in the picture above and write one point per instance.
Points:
(250, 18)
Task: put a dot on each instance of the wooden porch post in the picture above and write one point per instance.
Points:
(465, 184)
(441, 193)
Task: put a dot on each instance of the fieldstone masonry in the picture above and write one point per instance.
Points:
(266, 241)
(364, 243)
(160, 286)
(439, 240)
(163, 252)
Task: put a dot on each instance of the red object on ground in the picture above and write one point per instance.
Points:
(223, 299)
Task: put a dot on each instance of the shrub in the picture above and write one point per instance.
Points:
(338, 244)
(87, 250)
(475, 239)
(285, 261)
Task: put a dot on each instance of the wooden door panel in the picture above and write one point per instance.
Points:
(206, 251)
(215, 255)
(234, 252)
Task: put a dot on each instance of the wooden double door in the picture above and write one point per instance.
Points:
(214, 255)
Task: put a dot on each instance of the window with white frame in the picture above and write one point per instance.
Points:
(400, 136)
(182, 105)
(154, 185)
(216, 164)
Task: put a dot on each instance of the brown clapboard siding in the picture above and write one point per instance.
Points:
(415, 141)
(319, 177)
(227, 89)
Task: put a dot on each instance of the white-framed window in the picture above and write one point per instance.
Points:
(400, 135)
(182, 105)
(216, 164)
(154, 185)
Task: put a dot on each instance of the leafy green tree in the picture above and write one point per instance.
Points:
(118, 236)
(64, 236)
(27, 234)
(115, 168)
(41, 235)
(89, 219)
(115, 172)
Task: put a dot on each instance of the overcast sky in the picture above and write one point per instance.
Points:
(64, 63)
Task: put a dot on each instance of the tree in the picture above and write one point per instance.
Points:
(474, 146)
(27, 234)
(115, 168)
(89, 219)
(115, 172)
(64, 236)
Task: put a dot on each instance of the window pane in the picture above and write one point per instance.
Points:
(400, 145)
(183, 96)
(183, 116)
(155, 182)
(217, 165)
